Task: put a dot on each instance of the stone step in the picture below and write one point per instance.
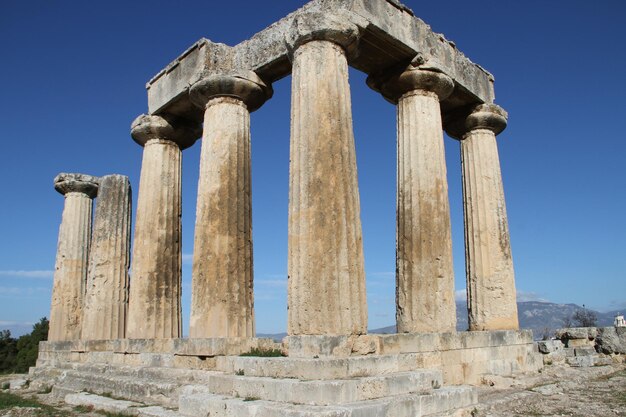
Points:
(141, 384)
(317, 368)
(117, 407)
(152, 392)
(407, 405)
(185, 376)
(325, 392)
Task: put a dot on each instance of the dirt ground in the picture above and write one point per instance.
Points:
(556, 391)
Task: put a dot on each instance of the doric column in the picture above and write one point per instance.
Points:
(326, 284)
(222, 301)
(72, 254)
(490, 279)
(424, 269)
(155, 287)
(106, 298)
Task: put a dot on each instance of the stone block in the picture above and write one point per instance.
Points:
(389, 35)
(324, 392)
(18, 383)
(550, 346)
(100, 403)
(574, 343)
(554, 358)
(609, 340)
(581, 361)
(156, 411)
(585, 351)
(576, 333)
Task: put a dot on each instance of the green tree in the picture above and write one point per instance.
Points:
(8, 352)
(28, 346)
(585, 318)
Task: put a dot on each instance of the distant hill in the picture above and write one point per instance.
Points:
(537, 316)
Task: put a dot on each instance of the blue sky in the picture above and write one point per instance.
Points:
(73, 80)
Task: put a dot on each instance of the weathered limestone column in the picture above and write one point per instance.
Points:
(106, 298)
(155, 287)
(326, 285)
(72, 255)
(424, 269)
(222, 299)
(491, 297)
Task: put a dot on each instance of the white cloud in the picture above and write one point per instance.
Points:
(387, 274)
(27, 274)
(187, 258)
(16, 291)
(16, 323)
(271, 282)
(523, 296)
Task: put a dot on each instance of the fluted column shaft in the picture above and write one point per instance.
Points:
(424, 269)
(106, 298)
(425, 276)
(72, 256)
(222, 300)
(490, 277)
(154, 309)
(326, 286)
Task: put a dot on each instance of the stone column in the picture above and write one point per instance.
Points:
(155, 287)
(72, 255)
(424, 269)
(491, 297)
(106, 298)
(222, 301)
(326, 284)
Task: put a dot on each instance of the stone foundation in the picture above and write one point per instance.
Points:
(366, 375)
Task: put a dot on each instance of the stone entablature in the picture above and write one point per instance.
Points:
(390, 34)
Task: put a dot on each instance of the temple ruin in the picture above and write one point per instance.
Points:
(109, 333)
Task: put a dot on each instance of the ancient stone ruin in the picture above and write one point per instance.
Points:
(109, 334)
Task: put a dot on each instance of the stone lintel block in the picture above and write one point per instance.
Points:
(389, 35)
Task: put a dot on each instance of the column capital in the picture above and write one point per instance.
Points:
(246, 86)
(76, 183)
(394, 84)
(487, 116)
(167, 127)
(316, 26)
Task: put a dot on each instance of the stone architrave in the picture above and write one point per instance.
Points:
(491, 296)
(424, 269)
(154, 310)
(106, 298)
(72, 255)
(326, 282)
(222, 299)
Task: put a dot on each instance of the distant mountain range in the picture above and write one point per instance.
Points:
(540, 317)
